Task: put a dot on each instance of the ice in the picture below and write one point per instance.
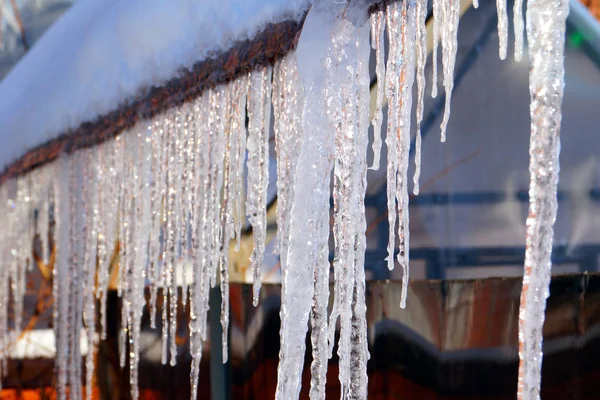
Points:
(475, 3)
(78, 190)
(502, 27)
(421, 49)
(438, 21)
(92, 217)
(392, 74)
(359, 353)
(61, 281)
(449, 31)
(288, 100)
(309, 221)
(198, 291)
(546, 20)
(239, 161)
(407, 75)
(259, 117)
(233, 129)
(377, 42)
(518, 27)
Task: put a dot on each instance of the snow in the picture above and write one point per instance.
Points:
(101, 53)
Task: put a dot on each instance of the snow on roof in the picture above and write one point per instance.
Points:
(101, 53)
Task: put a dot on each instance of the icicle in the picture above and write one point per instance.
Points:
(184, 164)
(546, 20)
(309, 222)
(518, 27)
(407, 75)
(157, 202)
(142, 152)
(110, 176)
(61, 282)
(43, 210)
(475, 4)
(232, 94)
(343, 116)
(259, 114)
(359, 352)
(126, 240)
(173, 186)
(392, 73)
(89, 262)
(377, 42)
(502, 27)
(438, 22)
(421, 49)
(168, 247)
(198, 298)
(240, 158)
(287, 106)
(217, 156)
(450, 18)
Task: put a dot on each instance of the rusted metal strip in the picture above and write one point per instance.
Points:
(274, 42)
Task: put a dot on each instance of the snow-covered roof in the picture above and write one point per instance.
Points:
(101, 53)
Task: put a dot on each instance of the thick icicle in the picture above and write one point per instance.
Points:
(450, 18)
(518, 27)
(407, 75)
(377, 42)
(259, 117)
(502, 28)
(421, 49)
(392, 89)
(546, 20)
(309, 222)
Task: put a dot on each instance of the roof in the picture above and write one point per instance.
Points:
(101, 54)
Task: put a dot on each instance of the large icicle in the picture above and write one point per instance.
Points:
(546, 20)
(450, 17)
(309, 222)
(421, 49)
(259, 118)
(377, 42)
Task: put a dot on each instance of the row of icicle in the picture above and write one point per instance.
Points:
(170, 192)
